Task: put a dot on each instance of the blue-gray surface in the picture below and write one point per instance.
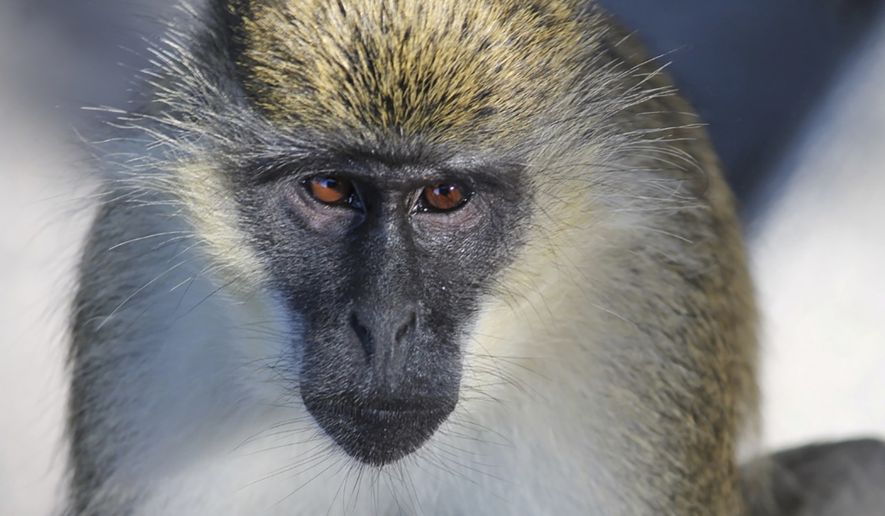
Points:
(753, 68)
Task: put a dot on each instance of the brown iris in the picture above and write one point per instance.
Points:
(330, 190)
(444, 196)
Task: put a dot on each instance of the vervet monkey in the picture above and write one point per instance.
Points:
(395, 257)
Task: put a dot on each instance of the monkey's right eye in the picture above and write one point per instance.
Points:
(333, 191)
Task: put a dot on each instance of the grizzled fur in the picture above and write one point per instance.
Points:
(608, 350)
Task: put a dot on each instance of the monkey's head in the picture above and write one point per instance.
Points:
(377, 165)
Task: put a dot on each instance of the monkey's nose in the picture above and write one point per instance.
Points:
(384, 332)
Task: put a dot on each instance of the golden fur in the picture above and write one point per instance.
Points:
(444, 70)
(627, 317)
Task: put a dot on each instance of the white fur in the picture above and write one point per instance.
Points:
(220, 428)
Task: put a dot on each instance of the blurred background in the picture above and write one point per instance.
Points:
(794, 94)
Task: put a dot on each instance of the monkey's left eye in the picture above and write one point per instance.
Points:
(333, 191)
(442, 197)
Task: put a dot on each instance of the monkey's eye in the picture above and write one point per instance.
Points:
(442, 197)
(333, 191)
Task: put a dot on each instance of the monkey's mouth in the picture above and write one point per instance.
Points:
(378, 433)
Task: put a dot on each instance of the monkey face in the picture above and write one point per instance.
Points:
(381, 180)
(386, 263)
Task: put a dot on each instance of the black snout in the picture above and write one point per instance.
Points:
(393, 329)
(387, 338)
(382, 382)
(379, 433)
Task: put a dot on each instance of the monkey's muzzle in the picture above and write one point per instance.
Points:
(378, 434)
(380, 384)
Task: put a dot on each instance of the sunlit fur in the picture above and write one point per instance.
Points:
(611, 369)
(445, 70)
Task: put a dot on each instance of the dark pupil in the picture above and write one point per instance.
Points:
(444, 190)
(331, 183)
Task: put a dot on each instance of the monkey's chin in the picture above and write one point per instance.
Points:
(378, 436)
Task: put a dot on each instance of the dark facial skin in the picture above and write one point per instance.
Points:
(387, 284)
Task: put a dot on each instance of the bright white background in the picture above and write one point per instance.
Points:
(818, 253)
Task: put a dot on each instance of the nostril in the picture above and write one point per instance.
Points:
(363, 334)
(406, 328)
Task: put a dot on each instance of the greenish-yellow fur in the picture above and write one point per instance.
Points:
(455, 73)
(443, 70)
(628, 311)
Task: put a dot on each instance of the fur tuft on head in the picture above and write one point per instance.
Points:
(441, 70)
